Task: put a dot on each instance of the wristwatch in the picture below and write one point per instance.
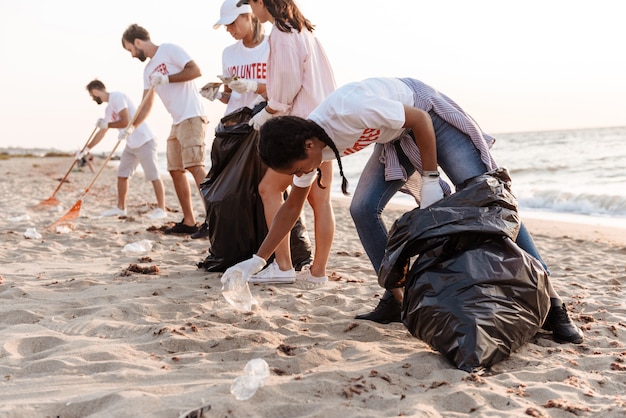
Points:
(432, 174)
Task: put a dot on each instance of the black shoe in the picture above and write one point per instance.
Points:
(203, 232)
(181, 228)
(388, 310)
(562, 327)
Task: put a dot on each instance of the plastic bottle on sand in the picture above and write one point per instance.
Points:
(254, 375)
(236, 291)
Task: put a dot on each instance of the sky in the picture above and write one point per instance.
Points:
(514, 66)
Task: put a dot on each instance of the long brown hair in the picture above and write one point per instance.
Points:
(287, 15)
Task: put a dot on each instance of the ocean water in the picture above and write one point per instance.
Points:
(572, 175)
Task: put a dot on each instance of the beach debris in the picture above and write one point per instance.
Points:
(196, 412)
(63, 229)
(567, 406)
(32, 233)
(136, 268)
(255, 373)
(143, 246)
(287, 349)
(534, 412)
(351, 326)
(236, 291)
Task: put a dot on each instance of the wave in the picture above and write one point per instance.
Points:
(578, 203)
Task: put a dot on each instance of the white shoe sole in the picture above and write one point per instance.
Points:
(273, 280)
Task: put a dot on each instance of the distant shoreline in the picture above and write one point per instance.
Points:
(528, 215)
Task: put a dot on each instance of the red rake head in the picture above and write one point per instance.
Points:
(46, 204)
(71, 214)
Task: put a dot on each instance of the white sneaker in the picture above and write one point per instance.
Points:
(158, 213)
(114, 212)
(273, 274)
(305, 280)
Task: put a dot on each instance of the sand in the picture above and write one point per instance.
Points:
(82, 335)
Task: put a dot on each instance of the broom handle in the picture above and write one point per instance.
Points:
(74, 163)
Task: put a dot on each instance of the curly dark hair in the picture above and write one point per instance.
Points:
(281, 142)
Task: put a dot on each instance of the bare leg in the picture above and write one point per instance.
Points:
(159, 192)
(122, 192)
(183, 192)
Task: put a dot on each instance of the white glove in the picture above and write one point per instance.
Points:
(260, 118)
(158, 79)
(247, 268)
(125, 133)
(431, 191)
(212, 93)
(102, 124)
(243, 86)
(80, 154)
(226, 80)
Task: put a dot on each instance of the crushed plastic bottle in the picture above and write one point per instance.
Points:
(254, 375)
(63, 229)
(143, 246)
(236, 291)
(32, 233)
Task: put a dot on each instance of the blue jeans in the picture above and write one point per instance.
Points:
(457, 157)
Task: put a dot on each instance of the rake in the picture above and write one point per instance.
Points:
(52, 200)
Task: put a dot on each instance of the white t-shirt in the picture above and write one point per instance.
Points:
(181, 100)
(118, 101)
(359, 114)
(248, 63)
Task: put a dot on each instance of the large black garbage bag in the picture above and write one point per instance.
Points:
(234, 210)
(472, 293)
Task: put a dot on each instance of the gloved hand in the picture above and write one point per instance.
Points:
(431, 191)
(80, 154)
(247, 268)
(260, 118)
(159, 79)
(226, 80)
(125, 133)
(243, 86)
(212, 93)
(102, 124)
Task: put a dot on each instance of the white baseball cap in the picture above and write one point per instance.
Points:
(230, 11)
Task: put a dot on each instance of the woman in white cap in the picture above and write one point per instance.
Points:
(246, 59)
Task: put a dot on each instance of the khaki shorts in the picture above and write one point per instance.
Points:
(185, 144)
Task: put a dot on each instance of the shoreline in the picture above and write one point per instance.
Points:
(545, 223)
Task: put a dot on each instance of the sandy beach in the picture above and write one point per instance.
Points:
(91, 330)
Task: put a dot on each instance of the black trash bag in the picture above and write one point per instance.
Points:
(472, 293)
(234, 210)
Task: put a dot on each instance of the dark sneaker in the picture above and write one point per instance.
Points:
(388, 310)
(181, 228)
(203, 232)
(562, 327)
